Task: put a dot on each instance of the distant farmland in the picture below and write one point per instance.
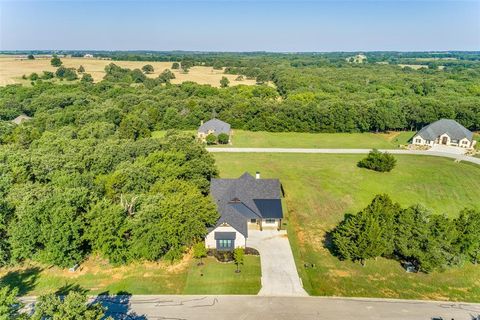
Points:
(13, 68)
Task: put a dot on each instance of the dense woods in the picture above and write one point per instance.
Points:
(71, 188)
(412, 235)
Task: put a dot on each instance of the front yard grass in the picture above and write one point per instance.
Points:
(252, 139)
(261, 139)
(320, 189)
(220, 278)
(97, 276)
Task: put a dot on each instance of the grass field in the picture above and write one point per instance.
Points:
(319, 140)
(97, 276)
(319, 189)
(12, 69)
(218, 278)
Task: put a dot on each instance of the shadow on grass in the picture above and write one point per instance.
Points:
(71, 287)
(24, 280)
(118, 305)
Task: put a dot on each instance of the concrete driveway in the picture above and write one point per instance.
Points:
(279, 273)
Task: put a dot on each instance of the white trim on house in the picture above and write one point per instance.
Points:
(211, 242)
(443, 139)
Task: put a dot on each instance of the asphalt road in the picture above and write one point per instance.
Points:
(345, 151)
(283, 308)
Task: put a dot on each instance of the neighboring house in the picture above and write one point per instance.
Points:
(88, 55)
(444, 132)
(213, 126)
(243, 203)
(21, 118)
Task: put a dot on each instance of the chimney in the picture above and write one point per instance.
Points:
(201, 122)
(257, 175)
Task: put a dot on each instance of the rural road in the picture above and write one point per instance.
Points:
(455, 156)
(279, 308)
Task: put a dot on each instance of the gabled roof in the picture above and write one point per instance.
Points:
(239, 200)
(215, 125)
(451, 127)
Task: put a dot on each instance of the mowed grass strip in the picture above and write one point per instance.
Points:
(220, 278)
(320, 189)
(262, 139)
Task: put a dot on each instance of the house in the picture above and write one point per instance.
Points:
(244, 203)
(21, 118)
(444, 132)
(88, 56)
(213, 126)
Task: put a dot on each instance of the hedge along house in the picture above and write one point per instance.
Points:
(444, 132)
(213, 126)
(244, 203)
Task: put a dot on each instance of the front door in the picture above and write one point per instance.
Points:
(444, 140)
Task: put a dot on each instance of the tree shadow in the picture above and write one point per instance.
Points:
(118, 305)
(24, 280)
(71, 287)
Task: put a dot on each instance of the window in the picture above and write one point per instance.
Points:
(225, 244)
(418, 140)
(253, 220)
(464, 142)
(269, 220)
(428, 141)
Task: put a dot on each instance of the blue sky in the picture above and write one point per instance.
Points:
(231, 25)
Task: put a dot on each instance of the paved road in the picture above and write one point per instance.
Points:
(346, 151)
(283, 308)
(279, 273)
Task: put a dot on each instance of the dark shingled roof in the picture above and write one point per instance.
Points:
(217, 126)
(451, 127)
(239, 200)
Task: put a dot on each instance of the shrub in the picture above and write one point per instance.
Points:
(224, 82)
(211, 139)
(378, 161)
(199, 251)
(33, 76)
(223, 138)
(48, 75)
(56, 62)
(147, 69)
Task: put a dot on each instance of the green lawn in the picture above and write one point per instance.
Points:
(220, 278)
(262, 139)
(319, 140)
(319, 189)
(143, 278)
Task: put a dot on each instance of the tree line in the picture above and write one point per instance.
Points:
(410, 235)
(309, 99)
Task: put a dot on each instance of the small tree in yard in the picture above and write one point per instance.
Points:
(30, 57)
(224, 82)
(378, 161)
(199, 252)
(211, 139)
(238, 256)
(176, 65)
(223, 138)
